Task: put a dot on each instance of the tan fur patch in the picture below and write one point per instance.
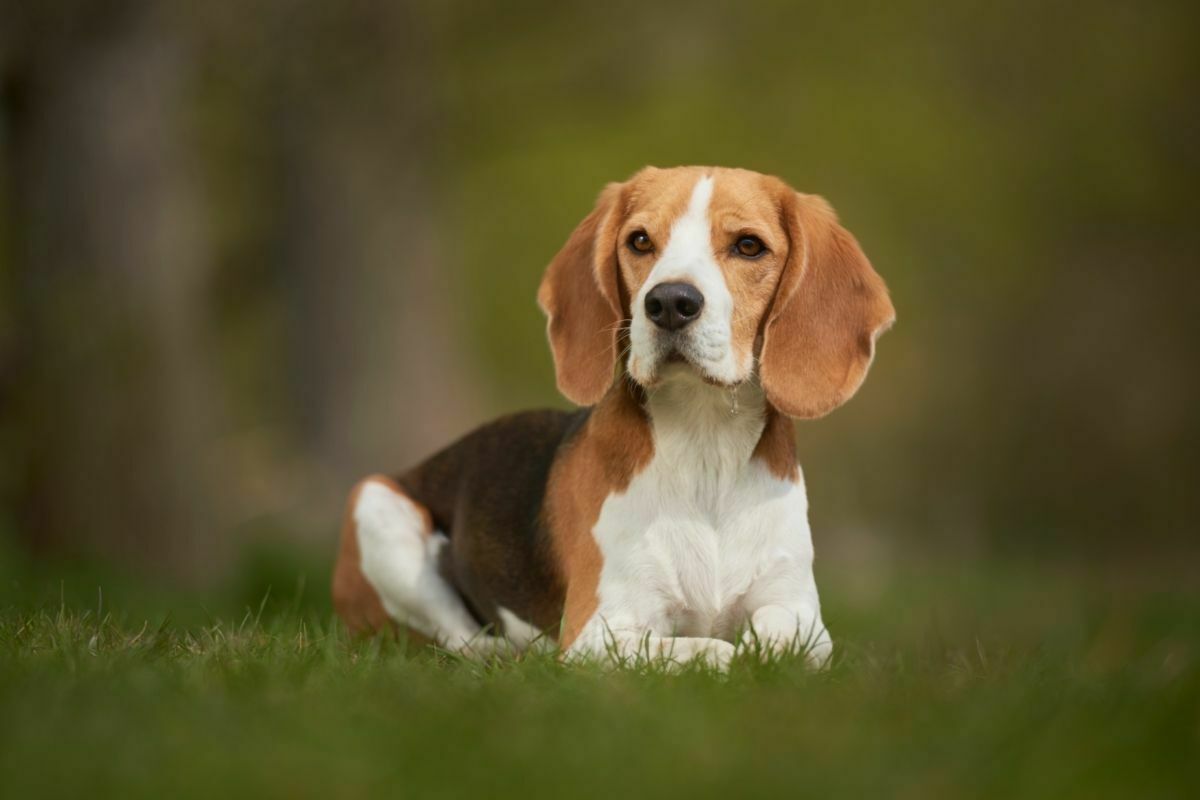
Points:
(581, 296)
(776, 447)
(831, 305)
(354, 599)
(615, 444)
(748, 204)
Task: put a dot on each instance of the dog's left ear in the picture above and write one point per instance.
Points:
(581, 296)
(829, 307)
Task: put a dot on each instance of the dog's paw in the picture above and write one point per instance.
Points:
(819, 651)
(715, 653)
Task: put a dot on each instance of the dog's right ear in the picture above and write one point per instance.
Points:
(581, 296)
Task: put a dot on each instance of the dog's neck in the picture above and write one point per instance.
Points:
(698, 424)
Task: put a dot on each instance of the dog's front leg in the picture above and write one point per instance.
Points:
(793, 627)
(785, 613)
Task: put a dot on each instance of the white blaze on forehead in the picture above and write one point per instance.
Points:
(688, 255)
(689, 258)
(690, 235)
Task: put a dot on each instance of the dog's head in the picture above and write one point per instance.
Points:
(726, 271)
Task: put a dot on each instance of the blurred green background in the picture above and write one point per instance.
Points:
(250, 252)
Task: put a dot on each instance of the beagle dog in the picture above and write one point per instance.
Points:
(691, 313)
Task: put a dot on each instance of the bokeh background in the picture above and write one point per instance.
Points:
(252, 251)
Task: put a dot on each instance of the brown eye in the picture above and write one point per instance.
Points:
(639, 242)
(750, 247)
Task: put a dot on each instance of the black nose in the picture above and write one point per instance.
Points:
(673, 305)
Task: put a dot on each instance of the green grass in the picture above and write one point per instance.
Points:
(969, 681)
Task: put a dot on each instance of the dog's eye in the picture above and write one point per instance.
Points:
(749, 247)
(639, 242)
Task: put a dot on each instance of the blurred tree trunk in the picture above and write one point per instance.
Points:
(141, 437)
(377, 371)
(113, 379)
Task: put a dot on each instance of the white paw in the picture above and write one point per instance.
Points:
(715, 653)
(819, 651)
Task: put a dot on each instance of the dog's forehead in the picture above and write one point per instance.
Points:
(664, 195)
(744, 197)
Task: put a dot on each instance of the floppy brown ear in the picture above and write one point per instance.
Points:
(829, 308)
(581, 297)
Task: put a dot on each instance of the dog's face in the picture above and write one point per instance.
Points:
(728, 272)
(700, 261)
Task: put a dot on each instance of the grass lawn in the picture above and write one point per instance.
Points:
(985, 680)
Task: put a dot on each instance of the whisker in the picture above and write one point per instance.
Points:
(619, 325)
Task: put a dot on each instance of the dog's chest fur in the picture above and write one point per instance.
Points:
(705, 524)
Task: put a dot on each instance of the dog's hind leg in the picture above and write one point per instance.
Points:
(397, 551)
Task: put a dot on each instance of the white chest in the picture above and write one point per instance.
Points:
(701, 529)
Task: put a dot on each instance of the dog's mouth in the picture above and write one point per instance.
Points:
(675, 362)
(658, 355)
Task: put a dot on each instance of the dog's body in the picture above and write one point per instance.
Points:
(670, 516)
